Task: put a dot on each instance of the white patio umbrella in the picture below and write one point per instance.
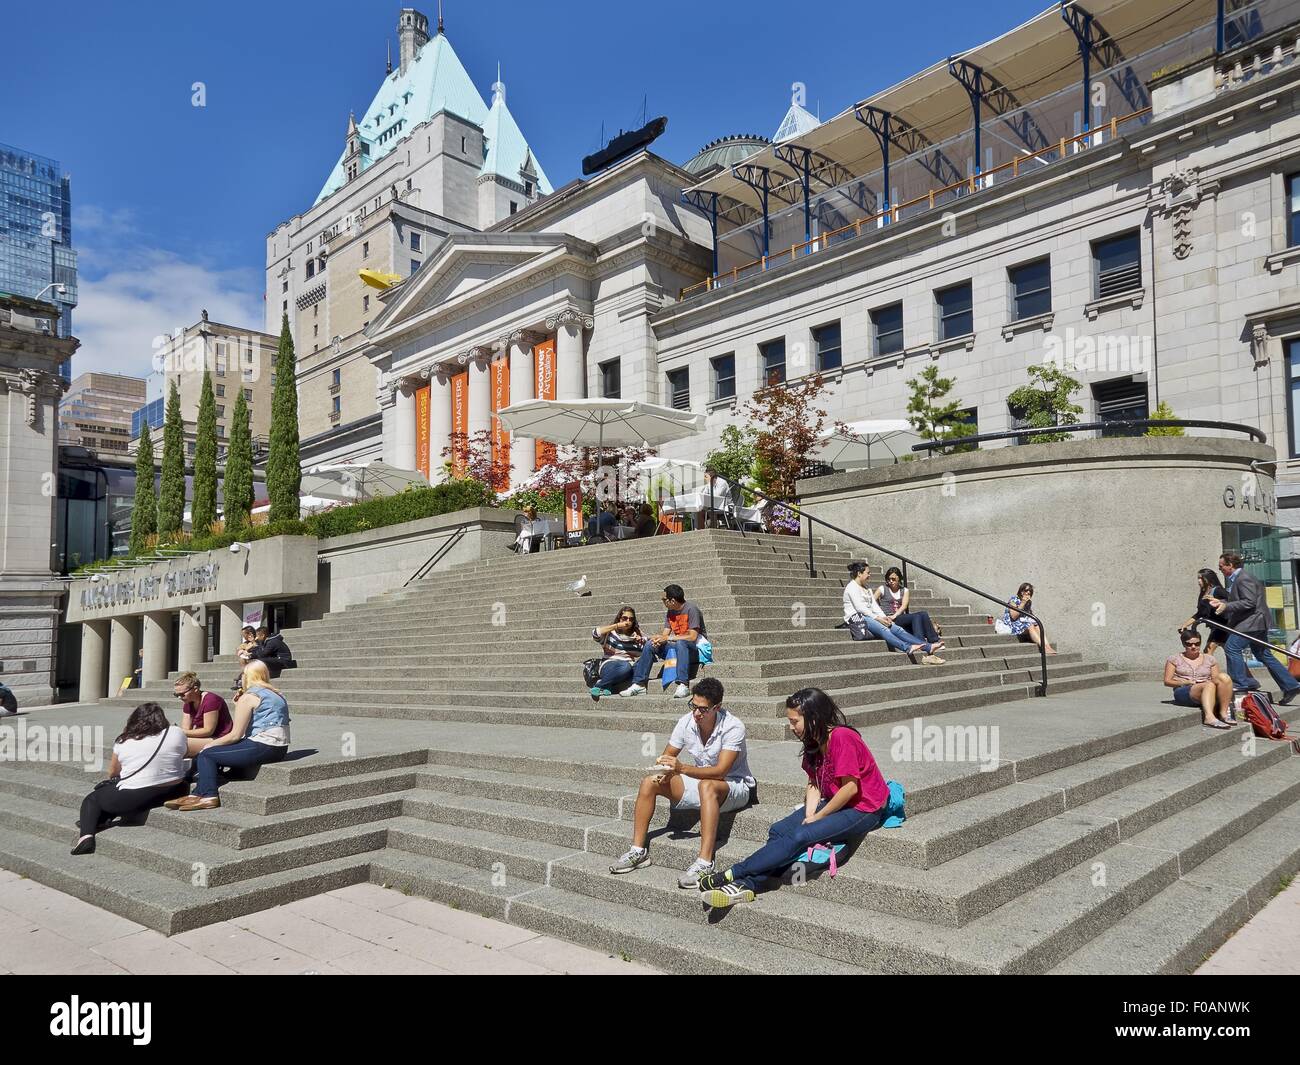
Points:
(853, 448)
(598, 422)
(356, 481)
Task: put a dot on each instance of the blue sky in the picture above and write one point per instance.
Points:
(172, 203)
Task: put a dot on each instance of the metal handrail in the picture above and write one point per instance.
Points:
(1042, 629)
(1081, 427)
(1215, 624)
(436, 557)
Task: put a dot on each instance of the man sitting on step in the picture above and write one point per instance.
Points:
(273, 651)
(677, 645)
(718, 782)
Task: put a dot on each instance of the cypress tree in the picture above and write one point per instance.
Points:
(204, 508)
(237, 490)
(171, 497)
(144, 514)
(283, 465)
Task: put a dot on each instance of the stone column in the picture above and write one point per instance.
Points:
(121, 652)
(192, 640)
(570, 373)
(480, 394)
(523, 453)
(156, 630)
(232, 618)
(439, 421)
(404, 427)
(94, 660)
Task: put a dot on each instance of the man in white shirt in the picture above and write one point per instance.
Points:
(718, 782)
(858, 599)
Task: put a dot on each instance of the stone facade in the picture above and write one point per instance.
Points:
(31, 353)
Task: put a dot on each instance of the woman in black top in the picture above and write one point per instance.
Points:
(1210, 587)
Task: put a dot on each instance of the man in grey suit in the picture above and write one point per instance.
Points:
(1245, 608)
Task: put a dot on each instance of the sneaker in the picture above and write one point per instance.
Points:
(721, 898)
(711, 880)
(598, 691)
(682, 692)
(932, 660)
(632, 689)
(691, 878)
(633, 859)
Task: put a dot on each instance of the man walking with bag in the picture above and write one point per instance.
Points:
(1245, 608)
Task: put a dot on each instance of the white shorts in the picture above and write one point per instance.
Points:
(737, 795)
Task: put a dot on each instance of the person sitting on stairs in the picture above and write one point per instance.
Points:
(716, 781)
(895, 600)
(620, 641)
(677, 645)
(846, 797)
(204, 715)
(1196, 681)
(861, 606)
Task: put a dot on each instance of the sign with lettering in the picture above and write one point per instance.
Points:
(1249, 496)
(500, 369)
(459, 421)
(544, 388)
(422, 430)
(182, 582)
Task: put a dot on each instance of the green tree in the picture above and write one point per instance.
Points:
(1164, 412)
(1046, 401)
(734, 460)
(283, 464)
(203, 511)
(933, 415)
(786, 427)
(171, 497)
(144, 514)
(237, 490)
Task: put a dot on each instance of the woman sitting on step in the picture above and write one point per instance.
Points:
(1024, 629)
(863, 615)
(148, 764)
(622, 643)
(895, 600)
(260, 735)
(846, 797)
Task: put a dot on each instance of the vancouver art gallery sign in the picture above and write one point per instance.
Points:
(276, 568)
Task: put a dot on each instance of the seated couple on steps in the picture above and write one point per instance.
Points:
(629, 655)
(152, 758)
(865, 617)
(845, 798)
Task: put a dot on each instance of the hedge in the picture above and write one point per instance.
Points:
(405, 506)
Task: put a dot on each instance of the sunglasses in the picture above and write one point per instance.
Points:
(697, 709)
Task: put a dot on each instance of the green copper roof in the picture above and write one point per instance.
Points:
(434, 81)
(508, 153)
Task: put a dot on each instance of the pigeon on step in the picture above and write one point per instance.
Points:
(579, 587)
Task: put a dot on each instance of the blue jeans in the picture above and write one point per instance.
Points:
(918, 623)
(615, 673)
(790, 837)
(895, 636)
(686, 653)
(244, 754)
(1234, 649)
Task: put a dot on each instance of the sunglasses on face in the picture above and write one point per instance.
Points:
(698, 710)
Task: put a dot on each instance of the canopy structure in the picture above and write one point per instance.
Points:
(353, 482)
(1069, 78)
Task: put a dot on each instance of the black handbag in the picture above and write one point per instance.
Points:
(591, 671)
(858, 627)
(115, 781)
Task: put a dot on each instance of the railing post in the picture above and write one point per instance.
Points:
(812, 572)
(1042, 658)
(904, 573)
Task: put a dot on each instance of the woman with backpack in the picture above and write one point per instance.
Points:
(622, 643)
(846, 798)
(148, 764)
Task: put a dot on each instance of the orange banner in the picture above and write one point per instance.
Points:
(459, 421)
(500, 369)
(573, 509)
(544, 388)
(422, 429)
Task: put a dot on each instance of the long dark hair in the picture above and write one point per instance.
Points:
(1211, 579)
(146, 720)
(820, 715)
(636, 625)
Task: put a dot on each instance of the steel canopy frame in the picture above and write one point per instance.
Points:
(698, 199)
(801, 159)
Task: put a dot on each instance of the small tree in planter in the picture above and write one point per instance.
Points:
(473, 456)
(933, 415)
(1164, 412)
(1046, 401)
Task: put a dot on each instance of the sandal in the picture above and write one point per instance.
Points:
(1220, 725)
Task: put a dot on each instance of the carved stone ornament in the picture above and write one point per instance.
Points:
(570, 316)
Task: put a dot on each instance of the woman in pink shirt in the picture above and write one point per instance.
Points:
(845, 798)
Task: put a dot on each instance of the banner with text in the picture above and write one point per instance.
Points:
(459, 422)
(573, 526)
(422, 430)
(544, 388)
(500, 369)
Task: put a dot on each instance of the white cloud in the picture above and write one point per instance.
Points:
(130, 291)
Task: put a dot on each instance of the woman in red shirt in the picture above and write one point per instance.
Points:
(845, 798)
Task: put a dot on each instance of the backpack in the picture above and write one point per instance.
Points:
(1264, 720)
(591, 671)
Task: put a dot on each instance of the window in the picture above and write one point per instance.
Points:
(611, 382)
(1118, 265)
(190, 447)
(772, 355)
(1293, 392)
(285, 306)
(415, 265)
(284, 285)
(528, 188)
(336, 378)
(415, 242)
(826, 342)
(365, 303)
(1293, 210)
(724, 376)
(887, 324)
(462, 146)
(221, 366)
(315, 330)
(513, 207)
(221, 390)
(955, 317)
(248, 394)
(679, 388)
(1121, 400)
(365, 248)
(970, 423)
(221, 410)
(335, 406)
(1031, 289)
(311, 270)
(221, 432)
(408, 181)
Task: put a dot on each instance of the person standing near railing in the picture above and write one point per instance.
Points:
(1245, 608)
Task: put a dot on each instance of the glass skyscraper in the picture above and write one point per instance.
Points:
(36, 232)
